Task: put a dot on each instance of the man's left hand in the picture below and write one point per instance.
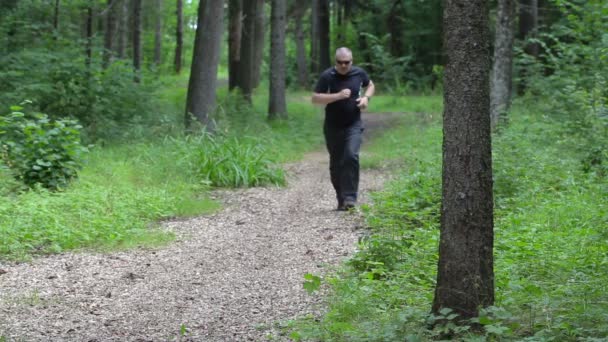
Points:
(362, 102)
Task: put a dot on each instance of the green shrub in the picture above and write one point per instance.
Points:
(39, 150)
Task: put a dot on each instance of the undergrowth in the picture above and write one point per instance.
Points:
(551, 226)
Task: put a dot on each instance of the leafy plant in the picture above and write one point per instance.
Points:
(39, 150)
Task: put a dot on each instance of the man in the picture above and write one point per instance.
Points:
(340, 89)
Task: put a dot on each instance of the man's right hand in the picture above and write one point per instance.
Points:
(344, 94)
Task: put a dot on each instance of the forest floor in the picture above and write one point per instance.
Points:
(229, 276)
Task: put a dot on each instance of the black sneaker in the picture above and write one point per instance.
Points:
(349, 205)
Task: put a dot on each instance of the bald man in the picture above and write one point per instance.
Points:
(345, 90)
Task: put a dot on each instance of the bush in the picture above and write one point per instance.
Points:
(39, 150)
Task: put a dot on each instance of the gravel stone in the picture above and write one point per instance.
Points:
(229, 276)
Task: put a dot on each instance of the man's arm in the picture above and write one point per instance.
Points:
(369, 92)
(322, 98)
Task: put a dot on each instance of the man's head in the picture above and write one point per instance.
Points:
(344, 60)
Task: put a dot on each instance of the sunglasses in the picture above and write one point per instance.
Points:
(343, 62)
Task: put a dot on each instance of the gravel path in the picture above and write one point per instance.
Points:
(229, 276)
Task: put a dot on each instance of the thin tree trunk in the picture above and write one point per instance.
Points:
(314, 38)
(89, 37)
(324, 61)
(465, 277)
(109, 33)
(200, 101)
(300, 47)
(56, 18)
(158, 32)
(123, 29)
(395, 24)
(277, 107)
(246, 64)
(260, 32)
(528, 23)
(235, 13)
(137, 44)
(502, 72)
(179, 37)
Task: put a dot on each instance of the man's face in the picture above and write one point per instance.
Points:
(343, 63)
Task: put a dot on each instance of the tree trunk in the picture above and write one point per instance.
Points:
(324, 61)
(314, 38)
(179, 37)
(300, 47)
(395, 24)
(528, 24)
(465, 277)
(89, 37)
(502, 71)
(108, 35)
(277, 108)
(158, 32)
(235, 13)
(205, 58)
(260, 32)
(123, 29)
(137, 45)
(56, 17)
(246, 65)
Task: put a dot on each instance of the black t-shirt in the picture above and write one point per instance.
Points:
(344, 112)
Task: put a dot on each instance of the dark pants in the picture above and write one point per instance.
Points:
(343, 145)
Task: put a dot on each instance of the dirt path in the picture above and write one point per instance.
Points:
(228, 277)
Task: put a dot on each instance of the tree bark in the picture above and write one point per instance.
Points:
(108, 35)
(277, 107)
(465, 277)
(396, 27)
(314, 38)
(56, 17)
(179, 37)
(502, 71)
(158, 32)
(89, 37)
(260, 32)
(324, 60)
(246, 65)
(123, 29)
(235, 13)
(528, 23)
(137, 44)
(300, 45)
(202, 85)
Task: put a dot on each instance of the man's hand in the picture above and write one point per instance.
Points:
(362, 102)
(344, 94)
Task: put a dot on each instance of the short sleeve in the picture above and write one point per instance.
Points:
(322, 85)
(364, 78)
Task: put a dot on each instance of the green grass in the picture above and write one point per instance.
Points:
(551, 228)
(126, 188)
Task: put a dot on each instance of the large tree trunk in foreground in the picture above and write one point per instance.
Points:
(277, 108)
(502, 70)
(465, 277)
(205, 59)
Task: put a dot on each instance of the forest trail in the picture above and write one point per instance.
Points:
(229, 276)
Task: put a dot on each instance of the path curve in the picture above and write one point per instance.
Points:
(228, 277)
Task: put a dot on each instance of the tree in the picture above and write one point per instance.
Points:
(277, 107)
(235, 11)
(158, 31)
(299, 11)
(246, 63)
(258, 50)
(205, 59)
(108, 35)
(56, 17)
(179, 36)
(323, 31)
(123, 29)
(137, 44)
(89, 35)
(465, 277)
(528, 24)
(501, 81)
